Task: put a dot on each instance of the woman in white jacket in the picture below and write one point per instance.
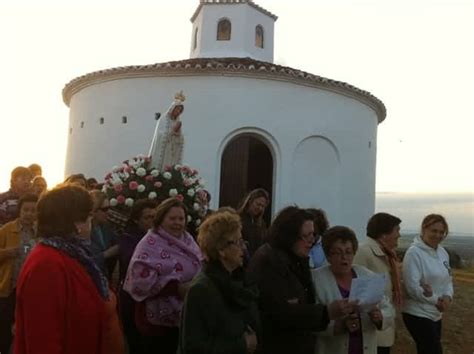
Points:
(428, 284)
(356, 333)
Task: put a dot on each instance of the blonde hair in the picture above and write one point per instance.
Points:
(431, 219)
(216, 231)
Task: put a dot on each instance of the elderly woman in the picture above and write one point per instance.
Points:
(159, 275)
(251, 213)
(428, 284)
(287, 305)
(378, 254)
(356, 333)
(220, 311)
(16, 241)
(63, 301)
(104, 241)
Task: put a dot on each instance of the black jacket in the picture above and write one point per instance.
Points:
(217, 311)
(288, 312)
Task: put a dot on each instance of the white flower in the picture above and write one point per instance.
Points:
(141, 172)
(115, 169)
(129, 202)
(196, 206)
(167, 175)
(141, 188)
(191, 192)
(177, 167)
(154, 173)
(198, 222)
(152, 195)
(202, 182)
(189, 218)
(173, 192)
(113, 202)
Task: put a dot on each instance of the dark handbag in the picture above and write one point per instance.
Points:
(143, 325)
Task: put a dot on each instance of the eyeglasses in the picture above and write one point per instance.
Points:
(311, 238)
(340, 254)
(240, 242)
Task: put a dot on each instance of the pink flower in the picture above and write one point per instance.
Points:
(187, 182)
(180, 197)
(108, 175)
(167, 168)
(158, 184)
(147, 159)
(120, 199)
(149, 178)
(128, 169)
(178, 267)
(145, 273)
(133, 185)
(195, 172)
(118, 188)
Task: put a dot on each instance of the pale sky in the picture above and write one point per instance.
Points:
(415, 55)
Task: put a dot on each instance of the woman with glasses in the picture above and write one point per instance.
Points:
(104, 241)
(220, 310)
(356, 332)
(162, 267)
(290, 316)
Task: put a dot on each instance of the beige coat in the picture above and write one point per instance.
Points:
(327, 291)
(370, 255)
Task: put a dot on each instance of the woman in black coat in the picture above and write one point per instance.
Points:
(287, 306)
(220, 310)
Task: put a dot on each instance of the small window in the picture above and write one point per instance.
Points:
(82, 124)
(370, 144)
(224, 29)
(101, 120)
(195, 41)
(124, 119)
(157, 115)
(259, 36)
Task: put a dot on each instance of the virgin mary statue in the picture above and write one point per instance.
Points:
(168, 142)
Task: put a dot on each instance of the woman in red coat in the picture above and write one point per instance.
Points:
(64, 305)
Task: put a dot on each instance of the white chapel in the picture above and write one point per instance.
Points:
(247, 122)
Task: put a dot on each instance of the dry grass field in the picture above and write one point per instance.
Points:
(458, 323)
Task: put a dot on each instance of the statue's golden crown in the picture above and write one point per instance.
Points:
(180, 96)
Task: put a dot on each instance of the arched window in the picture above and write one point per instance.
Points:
(259, 36)
(124, 119)
(195, 40)
(101, 120)
(224, 28)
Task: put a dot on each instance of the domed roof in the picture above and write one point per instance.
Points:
(239, 67)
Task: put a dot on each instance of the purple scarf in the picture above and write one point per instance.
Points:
(159, 259)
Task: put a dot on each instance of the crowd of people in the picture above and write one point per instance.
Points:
(70, 283)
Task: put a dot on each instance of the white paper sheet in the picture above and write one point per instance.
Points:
(368, 290)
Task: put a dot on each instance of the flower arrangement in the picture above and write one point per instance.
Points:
(137, 179)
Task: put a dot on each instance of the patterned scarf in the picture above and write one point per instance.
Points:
(394, 274)
(76, 248)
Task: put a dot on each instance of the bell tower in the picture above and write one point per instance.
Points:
(232, 28)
